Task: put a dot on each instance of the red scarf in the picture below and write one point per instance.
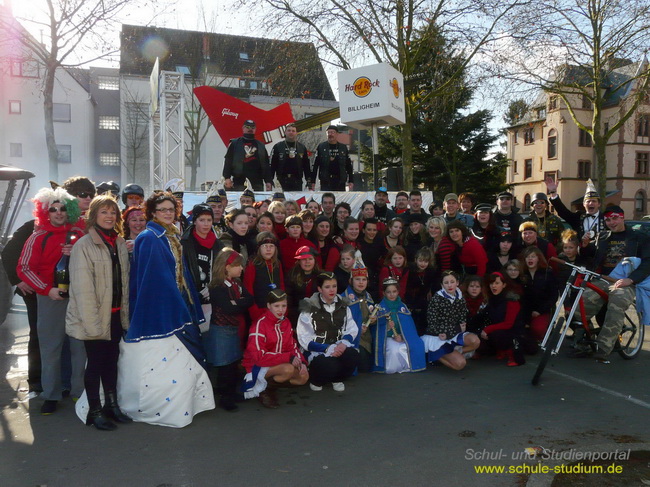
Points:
(396, 272)
(207, 242)
(236, 290)
(473, 304)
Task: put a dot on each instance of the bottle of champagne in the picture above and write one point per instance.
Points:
(62, 272)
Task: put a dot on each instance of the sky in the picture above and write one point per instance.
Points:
(220, 16)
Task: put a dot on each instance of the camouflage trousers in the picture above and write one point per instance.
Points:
(619, 301)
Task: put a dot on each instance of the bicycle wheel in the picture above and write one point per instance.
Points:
(631, 339)
(550, 345)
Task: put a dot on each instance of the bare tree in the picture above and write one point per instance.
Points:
(135, 133)
(399, 32)
(586, 53)
(74, 35)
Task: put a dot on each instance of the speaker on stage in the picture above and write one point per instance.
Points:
(392, 178)
(360, 180)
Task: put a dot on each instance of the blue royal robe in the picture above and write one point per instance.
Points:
(414, 343)
(354, 304)
(157, 308)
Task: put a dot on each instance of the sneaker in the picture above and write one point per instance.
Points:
(338, 386)
(48, 407)
(315, 388)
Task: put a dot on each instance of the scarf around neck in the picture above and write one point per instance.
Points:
(172, 233)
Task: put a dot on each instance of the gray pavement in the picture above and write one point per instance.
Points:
(424, 429)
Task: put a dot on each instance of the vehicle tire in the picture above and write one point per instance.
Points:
(630, 340)
(550, 345)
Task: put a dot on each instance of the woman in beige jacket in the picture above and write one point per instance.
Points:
(98, 309)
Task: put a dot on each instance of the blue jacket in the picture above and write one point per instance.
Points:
(624, 269)
(354, 304)
(157, 307)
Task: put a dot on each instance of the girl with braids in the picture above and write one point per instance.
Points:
(224, 342)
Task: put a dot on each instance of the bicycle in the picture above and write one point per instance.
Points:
(630, 339)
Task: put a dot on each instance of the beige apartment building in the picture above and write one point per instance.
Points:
(547, 142)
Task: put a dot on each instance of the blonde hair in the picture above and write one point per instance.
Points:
(277, 205)
(104, 201)
(219, 266)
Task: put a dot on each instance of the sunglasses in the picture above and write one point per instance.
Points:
(63, 209)
(86, 195)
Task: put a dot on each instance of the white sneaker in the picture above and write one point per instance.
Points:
(315, 388)
(338, 386)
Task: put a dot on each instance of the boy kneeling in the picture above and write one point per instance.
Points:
(272, 357)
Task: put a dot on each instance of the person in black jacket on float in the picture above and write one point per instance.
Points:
(246, 157)
(332, 164)
(290, 161)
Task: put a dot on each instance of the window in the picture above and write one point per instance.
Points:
(61, 112)
(25, 68)
(514, 167)
(529, 135)
(526, 202)
(586, 102)
(243, 56)
(15, 149)
(639, 202)
(265, 85)
(552, 144)
(528, 170)
(584, 169)
(605, 127)
(242, 83)
(515, 137)
(65, 153)
(108, 83)
(109, 159)
(15, 107)
(253, 85)
(642, 163)
(109, 122)
(584, 138)
(552, 103)
(541, 113)
(643, 126)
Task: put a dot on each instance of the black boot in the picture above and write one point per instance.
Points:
(98, 420)
(112, 410)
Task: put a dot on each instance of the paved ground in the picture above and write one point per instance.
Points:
(417, 429)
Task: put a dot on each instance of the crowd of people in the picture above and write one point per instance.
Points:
(162, 309)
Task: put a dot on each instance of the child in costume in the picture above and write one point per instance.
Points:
(272, 357)
(364, 311)
(446, 339)
(397, 346)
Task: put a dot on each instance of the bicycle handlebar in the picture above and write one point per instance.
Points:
(583, 270)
